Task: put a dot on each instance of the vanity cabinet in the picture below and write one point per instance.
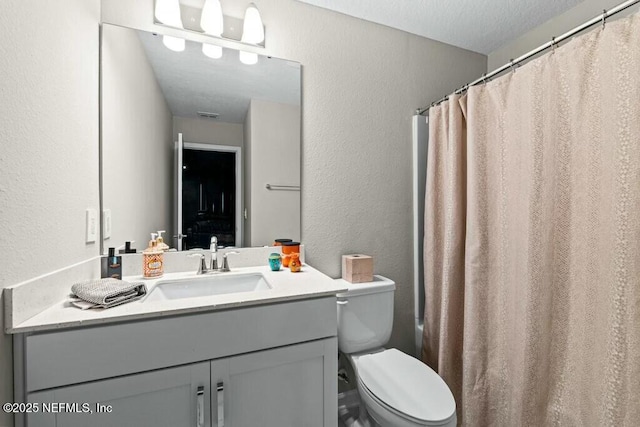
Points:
(280, 387)
(167, 397)
(269, 365)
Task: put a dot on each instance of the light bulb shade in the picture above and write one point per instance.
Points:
(211, 20)
(212, 51)
(168, 12)
(252, 29)
(248, 58)
(173, 43)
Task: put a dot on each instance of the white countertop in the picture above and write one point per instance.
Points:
(286, 286)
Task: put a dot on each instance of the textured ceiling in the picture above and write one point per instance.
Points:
(478, 25)
(192, 82)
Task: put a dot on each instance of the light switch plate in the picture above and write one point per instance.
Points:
(92, 225)
(106, 226)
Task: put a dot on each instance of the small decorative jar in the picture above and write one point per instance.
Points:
(275, 260)
(290, 248)
(294, 263)
(280, 242)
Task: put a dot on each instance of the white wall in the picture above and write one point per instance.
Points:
(137, 143)
(275, 159)
(361, 84)
(208, 131)
(49, 143)
(562, 23)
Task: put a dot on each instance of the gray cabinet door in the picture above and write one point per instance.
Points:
(166, 397)
(292, 386)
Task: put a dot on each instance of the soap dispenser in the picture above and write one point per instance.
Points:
(152, 259)
(127, 248)
(111, 266)
(161, 244)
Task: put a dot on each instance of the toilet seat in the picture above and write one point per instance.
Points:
(388, 416)
(406, 387)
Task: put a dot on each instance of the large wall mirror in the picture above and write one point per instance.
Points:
(197, 146)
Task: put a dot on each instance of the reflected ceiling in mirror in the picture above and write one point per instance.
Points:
(192, 82)
(150, 95)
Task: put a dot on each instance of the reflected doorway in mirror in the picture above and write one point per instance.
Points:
(210, 195)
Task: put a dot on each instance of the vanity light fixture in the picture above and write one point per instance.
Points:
(252, 32)
(175, 44)
(211, 22)
(252, 29)
(168, 12)
(212, 51)
(248, 58)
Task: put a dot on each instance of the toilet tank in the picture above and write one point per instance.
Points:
(365, 314)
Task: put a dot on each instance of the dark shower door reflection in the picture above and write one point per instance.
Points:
(208, 197)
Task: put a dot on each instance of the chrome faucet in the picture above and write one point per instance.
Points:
(202, 268)
(213, 248)
(225, 263)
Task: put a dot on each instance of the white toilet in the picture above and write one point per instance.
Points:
(395, 389)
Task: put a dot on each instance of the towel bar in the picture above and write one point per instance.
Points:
(282, 187)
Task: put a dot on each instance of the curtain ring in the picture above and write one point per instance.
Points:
(604, 17)
(484, 78)
(513, 70)
(553, 45)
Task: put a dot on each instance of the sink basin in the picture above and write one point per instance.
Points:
(205, 286)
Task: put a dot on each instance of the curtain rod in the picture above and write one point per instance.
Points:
(553, 43)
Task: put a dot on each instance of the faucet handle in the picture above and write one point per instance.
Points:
(203, 263)
(225, 262)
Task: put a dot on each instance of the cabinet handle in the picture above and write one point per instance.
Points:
(200, 407)
(220, 391)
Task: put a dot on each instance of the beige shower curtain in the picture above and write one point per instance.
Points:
(532, 239)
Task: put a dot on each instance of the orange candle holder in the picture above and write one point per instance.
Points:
(294, 263)
(291, 248)
(280, 242)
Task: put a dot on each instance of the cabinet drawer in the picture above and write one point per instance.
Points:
(86, 354)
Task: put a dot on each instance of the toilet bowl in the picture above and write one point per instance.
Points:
(395, 389)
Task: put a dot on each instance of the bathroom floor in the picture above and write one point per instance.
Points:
(348, 408)
(348, 419)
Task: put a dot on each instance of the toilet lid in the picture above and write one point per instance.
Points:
(407, 385)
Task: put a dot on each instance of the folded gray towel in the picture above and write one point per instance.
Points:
(106, 293)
